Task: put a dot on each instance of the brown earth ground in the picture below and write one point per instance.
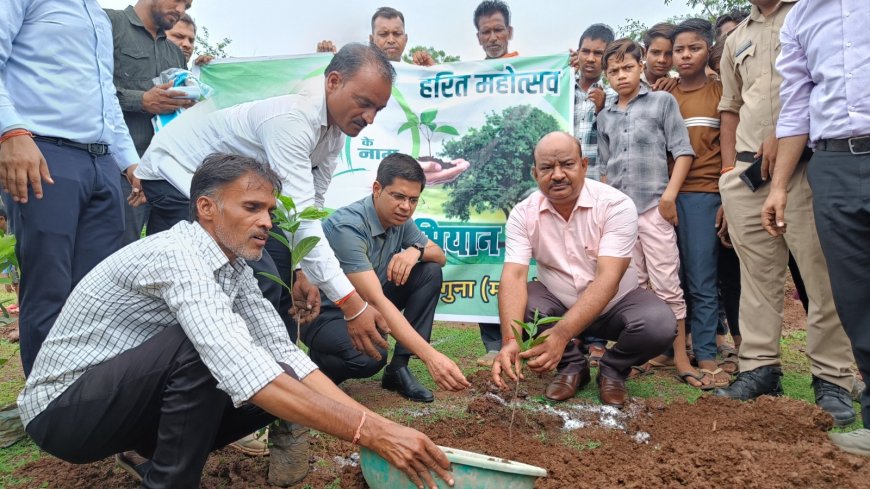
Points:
(769, 443)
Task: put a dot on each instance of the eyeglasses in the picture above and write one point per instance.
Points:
(402, 198)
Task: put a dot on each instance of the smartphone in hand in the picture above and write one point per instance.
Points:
(752, 176)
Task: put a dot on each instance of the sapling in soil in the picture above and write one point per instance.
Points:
(289, 442)
(527, 337)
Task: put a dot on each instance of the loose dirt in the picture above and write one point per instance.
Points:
(768, 443)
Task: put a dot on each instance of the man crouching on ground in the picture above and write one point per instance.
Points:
(581, 233)
(168, 348)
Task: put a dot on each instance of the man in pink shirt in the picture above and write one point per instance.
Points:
(581, 234)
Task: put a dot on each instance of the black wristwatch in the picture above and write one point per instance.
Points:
(421, 249)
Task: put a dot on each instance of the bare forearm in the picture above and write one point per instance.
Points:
(434, 253)
(512, 299)
(587, 309)
(787, 157)
(681, 169)
(728, 138)
(310, 403)
(400, 328)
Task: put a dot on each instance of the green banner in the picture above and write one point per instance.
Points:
(472, 125)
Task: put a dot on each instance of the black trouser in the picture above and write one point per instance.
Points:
(329, 342)
(134, 217)
(640, 323)
(490, 334)
(158, 399)
(841, 204)
(729, 291)
(799, 283)
(169, 207)
(77, 223)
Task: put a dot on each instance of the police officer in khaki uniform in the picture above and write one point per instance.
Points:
(750, 106)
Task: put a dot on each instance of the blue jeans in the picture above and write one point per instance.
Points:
(699, 256)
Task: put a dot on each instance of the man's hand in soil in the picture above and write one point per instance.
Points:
(421, 57)
(163, 100)
(364, 328)
(435, 175)
(306, 299)
(445, 372)
(21, 163)
(410, 451)
(507, 361)
(401, 264)
(545, 356)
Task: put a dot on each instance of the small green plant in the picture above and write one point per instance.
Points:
(425, 124)
(527, 337)
(288, 220)
(8, 265)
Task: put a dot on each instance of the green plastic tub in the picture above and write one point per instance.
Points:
(470, 471)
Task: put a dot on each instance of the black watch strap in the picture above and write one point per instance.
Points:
(421, 249)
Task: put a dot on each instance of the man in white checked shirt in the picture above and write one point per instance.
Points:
(168, 348)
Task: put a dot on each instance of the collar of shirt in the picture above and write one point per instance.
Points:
(644, 89)
(211, 251)
(755, 13)
(134, 19)
(372, 217)
(583, 200)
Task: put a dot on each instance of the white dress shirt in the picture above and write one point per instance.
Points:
(290, 132)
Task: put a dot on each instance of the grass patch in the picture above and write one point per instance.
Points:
(573, 441)
(14, 457)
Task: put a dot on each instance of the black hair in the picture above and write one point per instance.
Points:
(491, 7)
(597, 31)
(400, 165)
(350, 58)
(189, 20)
(735, 16)
(703, 28)
(619, 49)
(662, 29)
(221, 169)
(387, 13)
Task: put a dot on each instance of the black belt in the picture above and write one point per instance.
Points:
(749, 156)
(96, 149)
(859, 145)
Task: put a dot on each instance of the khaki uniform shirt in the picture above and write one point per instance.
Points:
(750, 83)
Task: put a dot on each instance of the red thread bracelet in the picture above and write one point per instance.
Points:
(344, 299)
(14, 133)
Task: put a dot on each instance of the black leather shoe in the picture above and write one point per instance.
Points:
(835, 400)
(762, 381)
(402, 381)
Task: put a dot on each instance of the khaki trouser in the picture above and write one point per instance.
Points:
(763, 265)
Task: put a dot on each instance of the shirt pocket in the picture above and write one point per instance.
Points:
(645, 130)
(135, 67)
(745, 63)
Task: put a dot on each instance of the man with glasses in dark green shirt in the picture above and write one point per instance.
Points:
(397, 269)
